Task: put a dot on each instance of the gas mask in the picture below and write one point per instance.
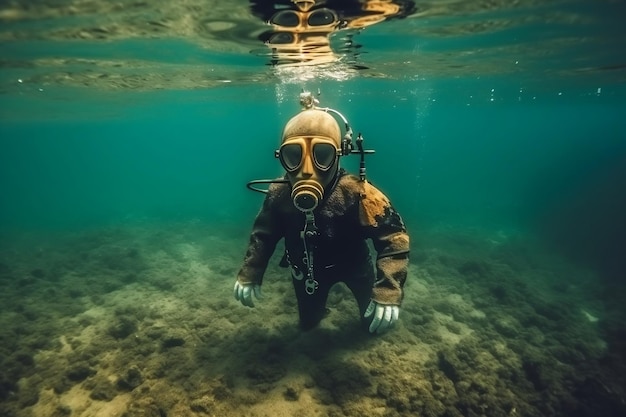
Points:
(309, 152)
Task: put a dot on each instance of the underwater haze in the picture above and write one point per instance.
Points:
(128, 132)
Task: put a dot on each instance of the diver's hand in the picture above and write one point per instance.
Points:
(243, 293)
(383, 316)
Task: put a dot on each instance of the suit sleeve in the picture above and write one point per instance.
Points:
(385, 228)
(266, 232)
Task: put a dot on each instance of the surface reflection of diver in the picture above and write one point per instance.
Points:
(300, 30)
(326, 216)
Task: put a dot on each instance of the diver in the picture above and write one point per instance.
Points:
(326, 216)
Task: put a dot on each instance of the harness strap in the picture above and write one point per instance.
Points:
(308, 235)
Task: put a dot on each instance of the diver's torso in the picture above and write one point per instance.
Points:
(339, 244)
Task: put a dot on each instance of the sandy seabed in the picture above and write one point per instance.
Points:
(140, 321)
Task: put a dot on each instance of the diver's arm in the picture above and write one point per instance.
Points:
(391, 241)
(266, 232)
(391, 273)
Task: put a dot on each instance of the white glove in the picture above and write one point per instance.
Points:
(384, 316)
(243, 293)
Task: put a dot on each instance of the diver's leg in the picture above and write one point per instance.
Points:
(311, 307)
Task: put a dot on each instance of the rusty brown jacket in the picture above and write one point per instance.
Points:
(352, 212)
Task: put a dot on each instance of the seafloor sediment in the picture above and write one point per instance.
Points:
(140, 321)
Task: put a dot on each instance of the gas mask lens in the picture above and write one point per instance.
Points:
(324, 155)
(315, 18)
(291, 156)
(282, 38)
(286, 18)
(322, 17)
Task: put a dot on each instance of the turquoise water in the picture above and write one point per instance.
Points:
(449, 151)
(129, 131)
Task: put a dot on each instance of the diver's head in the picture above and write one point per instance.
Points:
(309, 152)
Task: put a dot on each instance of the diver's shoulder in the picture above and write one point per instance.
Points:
(347, 179)
(278, 190)
(349, 187)
(352, 182)
(279, 185)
